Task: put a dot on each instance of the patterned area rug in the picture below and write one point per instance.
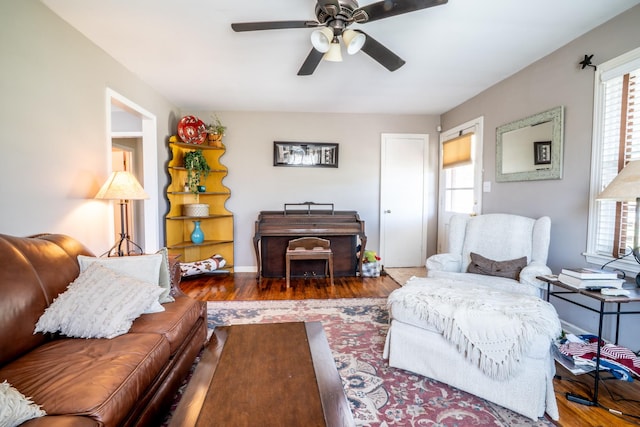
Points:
(378, 394)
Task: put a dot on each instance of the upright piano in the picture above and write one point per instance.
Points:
(274, 229)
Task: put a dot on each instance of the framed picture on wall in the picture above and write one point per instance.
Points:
(542, 152)
(305, 154)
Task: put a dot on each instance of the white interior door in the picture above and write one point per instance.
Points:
(403, 226)
(460, 187)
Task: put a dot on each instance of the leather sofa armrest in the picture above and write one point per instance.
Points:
(176, 277)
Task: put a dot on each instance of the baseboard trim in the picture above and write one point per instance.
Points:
(245, 269)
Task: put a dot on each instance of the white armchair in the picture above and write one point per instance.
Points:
(498, 237)
(440, 324)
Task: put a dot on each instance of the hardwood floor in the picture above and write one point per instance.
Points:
(245, 287)
(613, 394)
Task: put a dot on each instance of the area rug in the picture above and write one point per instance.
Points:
(378, 394)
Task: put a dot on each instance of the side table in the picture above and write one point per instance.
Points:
(604, 300)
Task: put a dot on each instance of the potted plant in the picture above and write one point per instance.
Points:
(215, 131)
(197, 168)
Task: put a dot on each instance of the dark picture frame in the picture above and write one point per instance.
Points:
(305, 154)
(542, 153)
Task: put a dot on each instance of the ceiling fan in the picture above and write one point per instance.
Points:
(334, 18)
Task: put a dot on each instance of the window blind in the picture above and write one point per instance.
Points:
(457, 151)
(621, 144)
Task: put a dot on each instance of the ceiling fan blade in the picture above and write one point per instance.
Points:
(311, 63)
(388, 8)
(272, 25)
(384, 56)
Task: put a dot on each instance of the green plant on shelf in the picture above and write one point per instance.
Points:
(216, 127)
(197, 169)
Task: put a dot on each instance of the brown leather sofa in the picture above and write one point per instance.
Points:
(125, 381)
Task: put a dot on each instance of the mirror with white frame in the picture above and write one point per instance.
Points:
(531, 148)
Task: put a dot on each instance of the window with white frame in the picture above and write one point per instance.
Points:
(459, 174)
(616, 141)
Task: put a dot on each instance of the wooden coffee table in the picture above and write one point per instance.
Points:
(280, 374)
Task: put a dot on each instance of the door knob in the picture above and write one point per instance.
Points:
(387, 211)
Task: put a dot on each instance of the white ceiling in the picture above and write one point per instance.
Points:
(186, 50)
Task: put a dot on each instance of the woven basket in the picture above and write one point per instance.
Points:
(196, 209)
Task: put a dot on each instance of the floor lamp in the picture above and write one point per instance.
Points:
(122, 186)
(625, 187)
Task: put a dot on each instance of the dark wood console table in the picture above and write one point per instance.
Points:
(561, 290)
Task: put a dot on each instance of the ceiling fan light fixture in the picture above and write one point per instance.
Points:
(321, 39)
(334, 54)
(354, 40)
(332, 17)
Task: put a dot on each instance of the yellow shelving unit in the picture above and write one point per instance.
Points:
(217, 226)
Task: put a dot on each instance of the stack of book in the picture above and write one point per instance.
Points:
(590, 278)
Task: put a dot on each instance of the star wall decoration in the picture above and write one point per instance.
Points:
(586, 62)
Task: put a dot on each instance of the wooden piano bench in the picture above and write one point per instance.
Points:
(309, 248)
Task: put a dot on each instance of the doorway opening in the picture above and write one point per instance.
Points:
(125, 156)
(132, 142)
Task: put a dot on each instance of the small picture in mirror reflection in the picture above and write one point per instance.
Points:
(542, 152)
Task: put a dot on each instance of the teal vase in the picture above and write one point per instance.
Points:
(197, 236)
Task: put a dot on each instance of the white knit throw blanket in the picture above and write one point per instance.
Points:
(492, 329)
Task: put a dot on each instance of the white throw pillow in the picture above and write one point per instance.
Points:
(149, 268)
(15, 407)
(165, 277)
(100, 303)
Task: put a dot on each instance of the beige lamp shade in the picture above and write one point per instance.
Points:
(457, 151)
(321, 39)
(334, 54)
(354, 40)
(122, 185)
(625, 187)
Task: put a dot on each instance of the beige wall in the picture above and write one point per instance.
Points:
(53, 113)
(55, 150)
(552, 81)
(257, 185)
